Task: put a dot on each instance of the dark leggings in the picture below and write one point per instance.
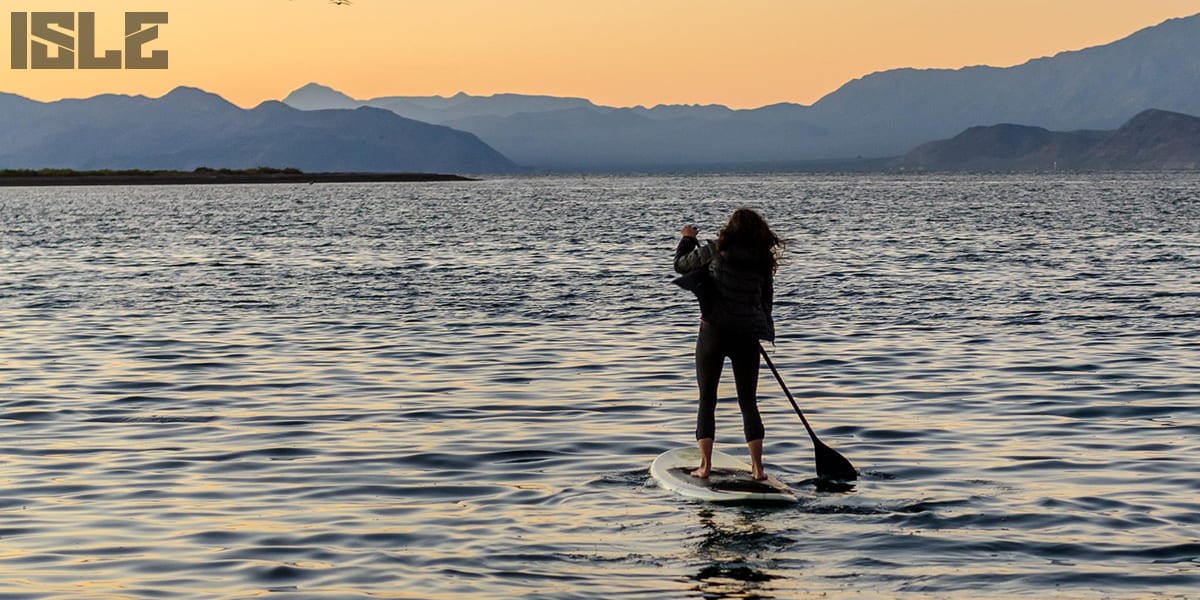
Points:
(712, 347)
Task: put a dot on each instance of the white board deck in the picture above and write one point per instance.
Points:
(729, 481)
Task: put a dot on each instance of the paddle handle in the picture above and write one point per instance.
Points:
(812, 434)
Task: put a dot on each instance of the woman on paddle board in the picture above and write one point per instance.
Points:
(733, 276)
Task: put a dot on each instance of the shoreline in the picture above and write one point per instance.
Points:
(84, 178)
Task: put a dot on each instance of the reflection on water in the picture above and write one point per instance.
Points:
(736, 551)
(454, 390)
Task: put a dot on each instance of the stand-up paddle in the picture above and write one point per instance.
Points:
(830, 464)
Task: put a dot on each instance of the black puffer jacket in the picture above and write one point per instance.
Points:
(738, 292)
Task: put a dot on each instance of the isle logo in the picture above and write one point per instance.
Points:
(67, 40)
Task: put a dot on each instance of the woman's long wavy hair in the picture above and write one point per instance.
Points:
(748, 231)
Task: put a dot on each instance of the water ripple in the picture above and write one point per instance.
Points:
(454, 390)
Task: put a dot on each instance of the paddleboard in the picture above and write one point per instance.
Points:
(729, 481)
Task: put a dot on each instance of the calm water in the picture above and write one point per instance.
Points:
(449, 390)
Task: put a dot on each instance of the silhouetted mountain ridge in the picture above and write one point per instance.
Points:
(878, 115)
(435, 109)
(1152, 140)
(189, 128)
(314, 96)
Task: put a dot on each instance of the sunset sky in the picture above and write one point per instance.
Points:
(614, 52)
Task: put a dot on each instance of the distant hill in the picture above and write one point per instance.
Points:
(435, 109)
(637, 139)
(1152, 140)
(320, 97)
(189, 128)
(1094, 88)
(879, 115)
(575, 134)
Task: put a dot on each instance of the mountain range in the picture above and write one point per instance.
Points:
(1154, 139)
(1069, 109)
(879, 115)
(189, 128)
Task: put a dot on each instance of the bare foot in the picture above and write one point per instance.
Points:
(701, 473)
(756, 462)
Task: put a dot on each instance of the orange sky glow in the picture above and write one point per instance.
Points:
(614, 52)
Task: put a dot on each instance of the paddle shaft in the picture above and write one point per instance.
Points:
(830, 464)
(787, 393)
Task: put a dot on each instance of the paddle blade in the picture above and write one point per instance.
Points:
(832, 465)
